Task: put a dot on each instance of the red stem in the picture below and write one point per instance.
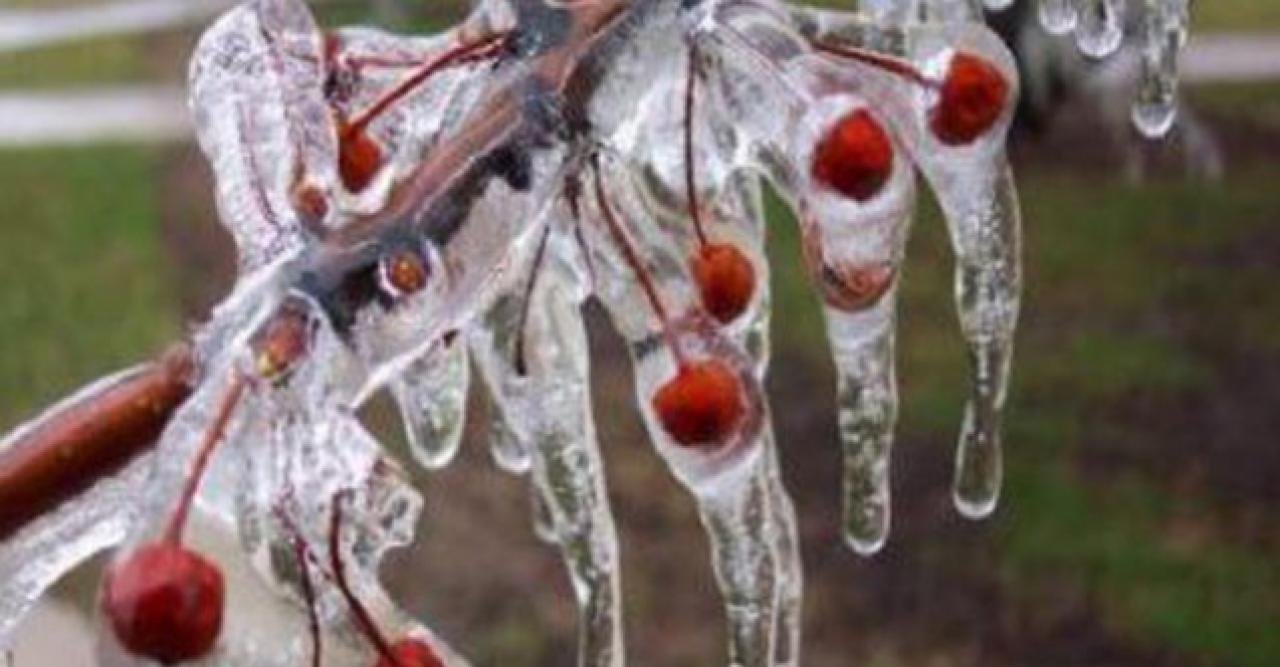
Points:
(363, 618)
(308, 595)
(878, 60)
(690, 179)
(211, 438)
(461, 53)
(632, 259)
(302, 554)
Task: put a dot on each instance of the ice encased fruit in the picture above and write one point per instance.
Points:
(164, 602)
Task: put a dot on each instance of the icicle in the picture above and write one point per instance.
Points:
(985, 227)
(537, 367)
(787, 559)
(855, 233)
(737, 519)
(432, 394)
(975, 188)
(1059, 17)
(1164, 31)
(1100, 28)
(569, 477)
(509, 451)
(740, 207)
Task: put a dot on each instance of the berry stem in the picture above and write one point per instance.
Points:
(484, 47)
(880, 61)
(309, 596)
(302, 554)
(632, 259)
(226, 408)
(690, 178)
(520, 363)
(362, 616)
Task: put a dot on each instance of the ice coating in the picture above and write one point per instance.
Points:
(405, 206)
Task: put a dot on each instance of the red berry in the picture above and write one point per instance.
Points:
(726, 280)
(972, 97)
(702, 404)
(165, 602)
(359, 158)
(411, 653)
(854, 157)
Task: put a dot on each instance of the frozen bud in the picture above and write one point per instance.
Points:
(702, 404)
(854, 156)
(165, 602)
(971, 99)
(726, 280)
(310, 202)
(282, 342)
(403, 272)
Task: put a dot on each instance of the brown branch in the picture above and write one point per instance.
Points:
(90, 440)
(98, 435)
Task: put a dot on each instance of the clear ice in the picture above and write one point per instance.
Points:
(510, 174)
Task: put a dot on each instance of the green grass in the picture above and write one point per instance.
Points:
(1237, 15)
(86, 286)
(97, 62)
(1120, 542)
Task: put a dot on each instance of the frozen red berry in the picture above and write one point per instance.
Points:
(411, 653)
(165, 602)
(359, 157)
(726, 280)
(854, 157)
(702, 404)
(970, 101)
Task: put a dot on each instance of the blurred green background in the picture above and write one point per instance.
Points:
(1139, 523)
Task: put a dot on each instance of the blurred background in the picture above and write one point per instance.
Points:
(1139, 523)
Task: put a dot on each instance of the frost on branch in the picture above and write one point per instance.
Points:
(405, 207)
